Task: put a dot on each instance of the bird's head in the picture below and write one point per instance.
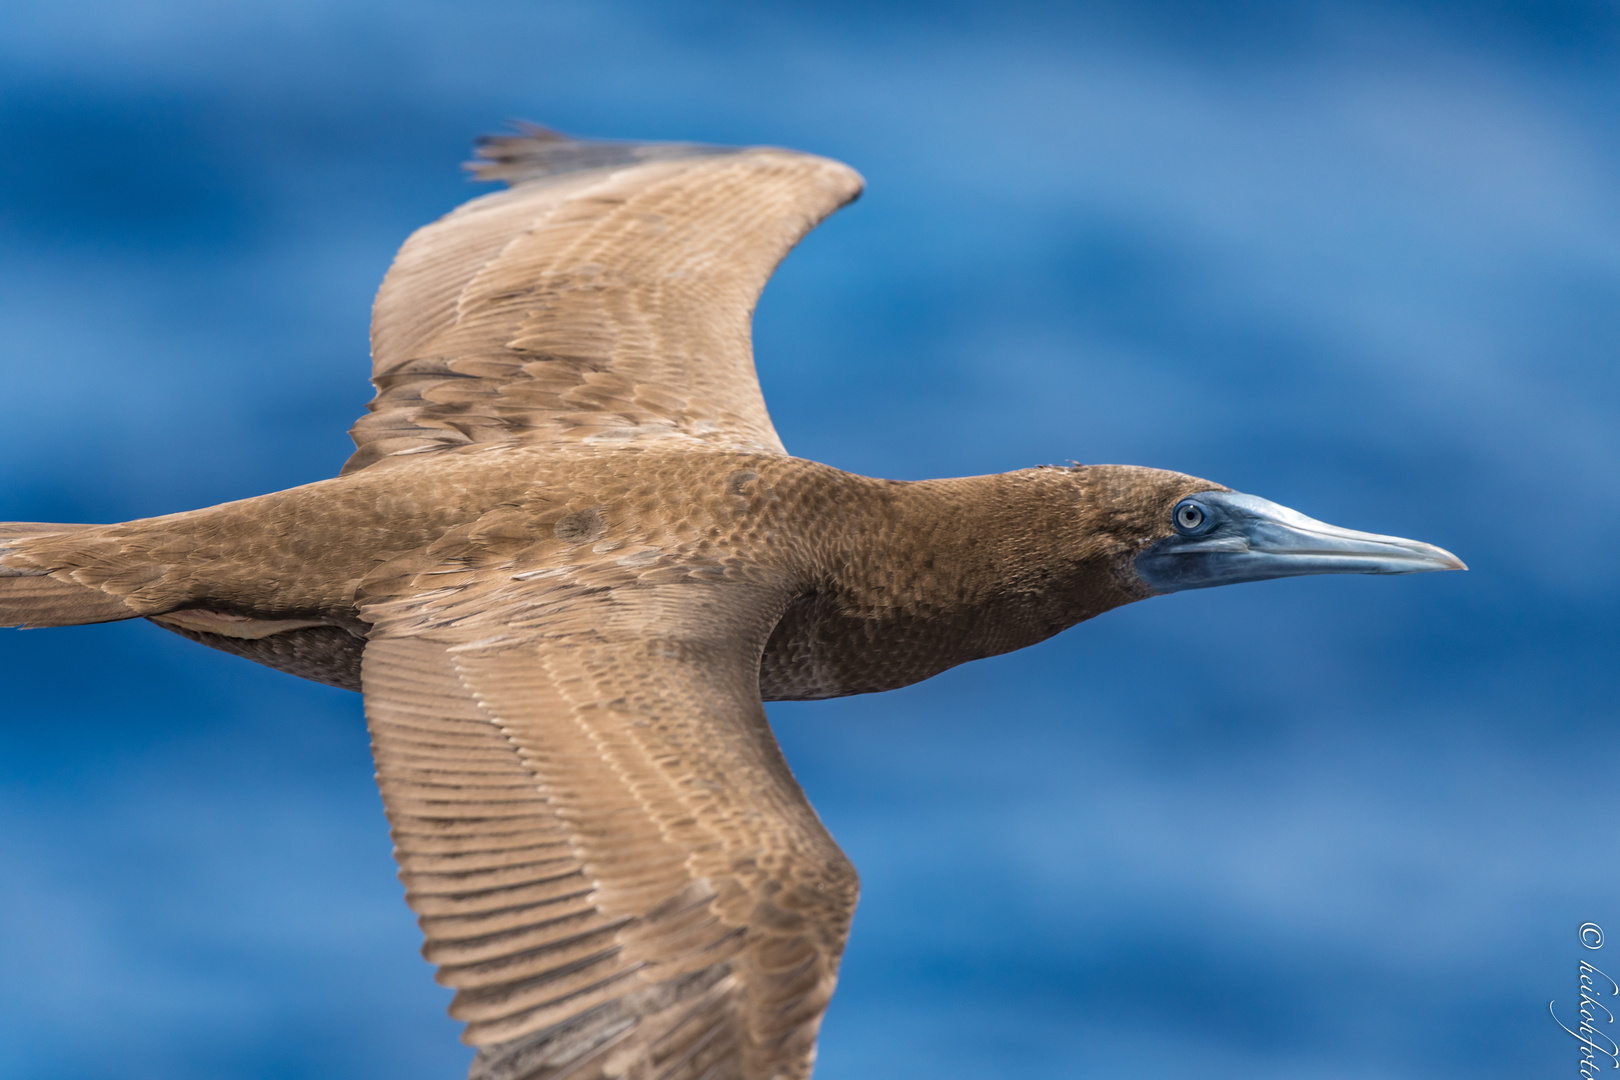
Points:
(1177, 532)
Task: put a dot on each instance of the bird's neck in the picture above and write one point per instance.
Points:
(920, 577)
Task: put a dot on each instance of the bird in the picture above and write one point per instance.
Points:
(569, 561)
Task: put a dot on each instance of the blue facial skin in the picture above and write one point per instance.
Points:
(1224, 537)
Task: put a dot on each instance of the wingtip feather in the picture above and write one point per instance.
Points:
(533, 152)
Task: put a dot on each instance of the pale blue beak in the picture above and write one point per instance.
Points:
(1223, 537)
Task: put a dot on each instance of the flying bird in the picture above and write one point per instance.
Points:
(569, 561)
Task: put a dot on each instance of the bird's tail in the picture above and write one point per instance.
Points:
(30, 597)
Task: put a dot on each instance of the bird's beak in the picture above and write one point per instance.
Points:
(1246, 538)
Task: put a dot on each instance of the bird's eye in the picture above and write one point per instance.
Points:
(1189, 517)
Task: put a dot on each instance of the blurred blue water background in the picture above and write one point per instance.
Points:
(1359, 258)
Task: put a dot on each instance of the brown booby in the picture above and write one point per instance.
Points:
(570, 559)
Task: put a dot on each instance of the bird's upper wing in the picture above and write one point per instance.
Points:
(611, 862)
(606, 296)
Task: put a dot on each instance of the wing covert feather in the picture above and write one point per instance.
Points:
(606, 297)
(611, 861)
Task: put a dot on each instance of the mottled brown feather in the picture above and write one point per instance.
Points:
(613, 864)
(30, 598)
(606, 298)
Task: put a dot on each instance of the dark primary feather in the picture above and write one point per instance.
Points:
(537, 152)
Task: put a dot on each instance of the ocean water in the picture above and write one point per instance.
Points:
(1362, 259)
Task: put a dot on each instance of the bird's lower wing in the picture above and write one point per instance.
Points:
(612, 864)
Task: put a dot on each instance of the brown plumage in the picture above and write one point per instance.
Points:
(567, 563)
